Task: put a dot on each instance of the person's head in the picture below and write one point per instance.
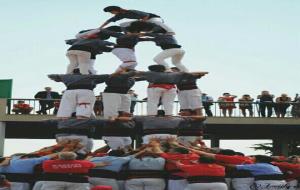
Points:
(226, 94)
(178, 150)
(284, 95)
(113, 9)
(76, 71)
(246, 96)
(265, 92)
(175, 69)
(114, 28)
(117, 153)
(48, 89)
(21, 101)
(206, 160)
(103, 36)
(2, 159)
(227, 152)
(67, 156)
(262, 159)
(294, 159)
(160, 113)
(157, 68)
(140, 26)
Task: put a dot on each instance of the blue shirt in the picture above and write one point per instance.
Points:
(260, 169)
(116, 162)
(25, 166)
(147, 163)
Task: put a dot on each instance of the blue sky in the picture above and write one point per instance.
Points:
(246, 45)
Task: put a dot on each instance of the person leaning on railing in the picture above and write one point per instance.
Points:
(226, 102)
(245, 103)
(282, 104)
(22, 108)
(265, 101)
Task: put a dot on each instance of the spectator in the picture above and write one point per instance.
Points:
(207, 101)
(4, 183)
(265, 101)
(22, 108)
(245, 103)
(226, 102)
(98, 107)
(282, 104)
(46, 100)
(296, 106)
(57, 104)
(134, 98)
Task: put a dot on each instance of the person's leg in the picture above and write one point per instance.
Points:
(132, 106)
(38, 185)
(183, 99)
(270, 110)
(125, 103)
(94, 181)
(195, 101)
(176, 59)
(111, 103)
(134, 184)
(262, 108)
(168, 98)
(154, 95)
(78, 186)
(84, 59)
(73, 62)
(154, 184)
(49, 104)
(43, 107)
(53, 185)
(162, 56)
(230, 112)
(67, 105)
(243, 183)
(224, 112)
(250, 111)
(177, 184)
(19, 186)
(91, 67)
(85, 103)
(127, 56)
(243, 110)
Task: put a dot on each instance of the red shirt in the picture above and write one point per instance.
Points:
(292, 170)
(67, 166)
(236, 160)
(203, 170)
(183, 158)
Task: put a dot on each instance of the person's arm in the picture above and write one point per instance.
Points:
(112, 33)
(112, 19)
(71, 41)
(102, 164)
(56, 78)
(98, 79)
(87, 33)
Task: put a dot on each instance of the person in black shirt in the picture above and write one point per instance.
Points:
(83, 50)
(265, 101)
(46, 99)
(121, 13)
(167, 42)
(189, 95)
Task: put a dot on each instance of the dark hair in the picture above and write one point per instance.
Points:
(207, 160)
(2, 159)
(138, 26)
(175, 68)
(160, 113)
(263, 159)
(114, 28)
(76, 71)
(112, 8)
(239, 154)
(181, 150)
(117, 153)
(103, 36)
(30, 156)
(227, 152)
(157, 68)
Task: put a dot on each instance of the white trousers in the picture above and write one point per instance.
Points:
(293, 185)
(79, 59)
(80, 101)
(270, 184)
(114, 102)
(127, 56)
(161, 137)
(19, 186)
(94, 181)
(242, 183)
(60, 185)
(190, 99)
(167, 97)
(145, 184)
(176, 54)
(116, 143)
(206, 186)
(177, 184)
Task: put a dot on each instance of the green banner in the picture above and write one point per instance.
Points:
(6, 88)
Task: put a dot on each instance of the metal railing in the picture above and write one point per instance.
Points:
(141, 108)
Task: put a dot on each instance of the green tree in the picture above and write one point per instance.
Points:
(294, 147)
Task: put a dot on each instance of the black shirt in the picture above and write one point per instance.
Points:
(120, 84)
(132, 14)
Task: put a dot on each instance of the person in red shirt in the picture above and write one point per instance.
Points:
(226, 102)
(204, 174)
(291, 172)
(59, 171)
